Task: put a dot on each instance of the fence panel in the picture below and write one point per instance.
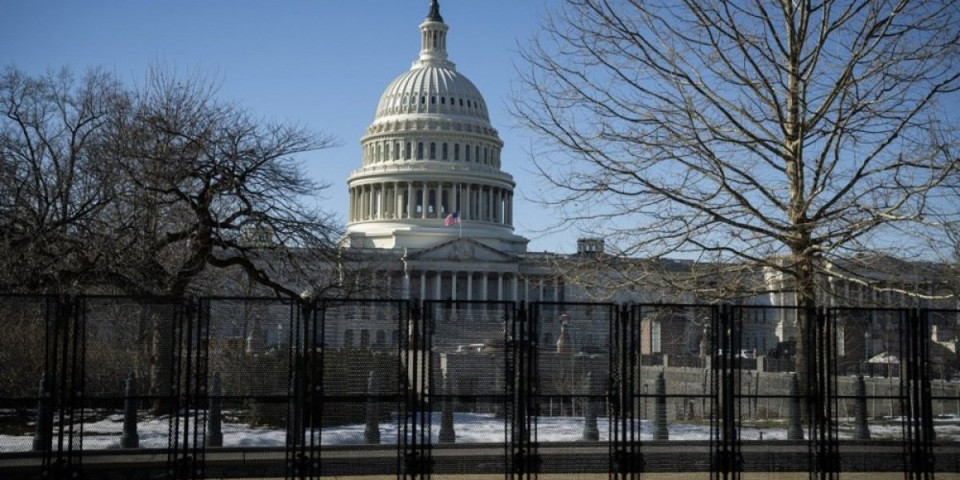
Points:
(101, 387)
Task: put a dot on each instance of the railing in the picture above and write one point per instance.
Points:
(118, 387)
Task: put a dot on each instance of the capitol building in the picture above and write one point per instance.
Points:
(431, 208)
(431, 217)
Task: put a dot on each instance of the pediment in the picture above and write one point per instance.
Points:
(462, 250)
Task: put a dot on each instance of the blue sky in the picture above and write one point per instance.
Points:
(322, 63)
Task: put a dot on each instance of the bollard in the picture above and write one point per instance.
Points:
(371, 434)
(447, 433)
(590, 431)
(130, 438)
(44, 432)
(214, 436)
(862, 431)
(660, 410)
(794, 429)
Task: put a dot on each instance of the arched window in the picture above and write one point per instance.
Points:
(419, 150)
(364, 338)
(476, 153)
(433, 99)
(348, 338)
(381, 338)
(456, 152)
(433, 151)
(461, 102)
(444, 152)
(406, 153)
(443, 100)
(396, 150)
(466, 150)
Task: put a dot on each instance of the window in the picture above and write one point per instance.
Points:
(406, 153)
(467, 151)
(461, 102)
(348, 338)
(423, 99)
(433, 151)
(444, 157)
(433, 100)
(396, 150)
(443, 100)
(655, 337)
(381, 338)
(419, 150)
(456, 152)
(476, 153)
(364, 338)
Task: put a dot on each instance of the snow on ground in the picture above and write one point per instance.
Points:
(105, 432)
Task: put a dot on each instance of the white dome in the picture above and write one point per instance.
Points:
(431, 158)
(432, 89)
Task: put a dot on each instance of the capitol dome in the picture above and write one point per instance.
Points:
(432, 89)
(431, 160)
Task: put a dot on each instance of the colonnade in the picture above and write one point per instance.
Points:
(469, 285)
(411, 200)
(375, 152)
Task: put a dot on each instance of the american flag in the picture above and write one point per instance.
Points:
(452, 219)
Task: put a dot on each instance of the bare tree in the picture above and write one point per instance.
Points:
(52, 186)
(775, 134)
(158, 189)
(214, 187)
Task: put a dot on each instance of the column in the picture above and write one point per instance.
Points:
(500, 286)
(423, 285)
(438, 288)
(465, 204)
(490, 215)
(483, 288)
(469, 286)
(425, 196)
(556, 290)
(540, 291)
(406, 284)
(516, 287)
(526, 289)
(353, 205)
(369, 202)
(389, 284)
(453, 285)
(411, 204)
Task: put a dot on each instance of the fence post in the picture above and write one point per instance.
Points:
(660, 409)
(590, 430)
(447, 433)
(214, 436)
(794, 427)
(371, 434)
(44, 433)
(130, 438)
(862, 431)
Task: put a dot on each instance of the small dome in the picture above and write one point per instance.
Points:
(432, 89)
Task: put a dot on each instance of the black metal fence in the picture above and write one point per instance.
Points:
(117, 387)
